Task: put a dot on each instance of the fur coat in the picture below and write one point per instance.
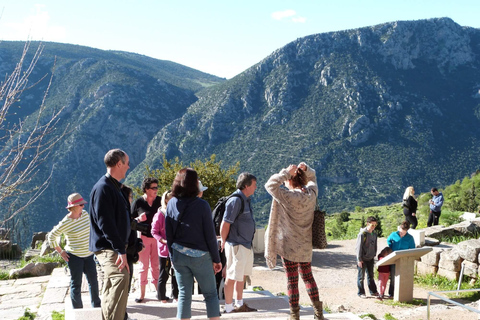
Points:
(289, 231)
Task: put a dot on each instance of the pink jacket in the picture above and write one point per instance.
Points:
(158, 232)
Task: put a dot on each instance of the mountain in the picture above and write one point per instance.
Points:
(111, 100)
(373, 110)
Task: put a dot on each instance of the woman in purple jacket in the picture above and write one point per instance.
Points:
(158, 232)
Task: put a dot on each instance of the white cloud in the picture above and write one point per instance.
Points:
(288, 14)
(36, 26)
(279, 15)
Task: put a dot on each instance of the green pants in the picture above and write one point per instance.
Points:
(115, 286)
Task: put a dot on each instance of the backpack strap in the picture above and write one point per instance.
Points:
(242, 206)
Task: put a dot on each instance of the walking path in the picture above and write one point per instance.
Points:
(333, 268)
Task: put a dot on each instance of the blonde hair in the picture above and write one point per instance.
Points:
(166, 196)
(408, 192)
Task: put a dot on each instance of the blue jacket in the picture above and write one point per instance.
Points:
(109, 217)
(397, 243)
(196, 230)
(437, 203)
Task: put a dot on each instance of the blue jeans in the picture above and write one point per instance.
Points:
(78, 266)
(186, 268)
(367, 265)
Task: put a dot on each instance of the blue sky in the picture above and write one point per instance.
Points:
(219, 37)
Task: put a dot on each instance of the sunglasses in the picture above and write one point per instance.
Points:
(153, 188)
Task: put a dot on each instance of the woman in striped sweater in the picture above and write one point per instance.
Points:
(76, 228)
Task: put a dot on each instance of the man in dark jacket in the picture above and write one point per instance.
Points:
(110, 228)
(366, 249)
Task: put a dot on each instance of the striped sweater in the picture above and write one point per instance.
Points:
(77, 233)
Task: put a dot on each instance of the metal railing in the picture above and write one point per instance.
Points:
(435, 294)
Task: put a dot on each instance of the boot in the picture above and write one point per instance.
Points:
(318, 310)
(294, 313)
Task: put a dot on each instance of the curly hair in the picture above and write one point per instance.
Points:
(147, 182)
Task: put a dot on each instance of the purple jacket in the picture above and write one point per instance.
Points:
(158, 232)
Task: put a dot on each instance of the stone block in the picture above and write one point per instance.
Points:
(450, 260)
(469, 250)
(450, 275)
(431, 242)
(432, 258)
(470, 269)
(418, 237)
(424, 269)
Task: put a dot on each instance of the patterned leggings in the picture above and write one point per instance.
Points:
(305, 269)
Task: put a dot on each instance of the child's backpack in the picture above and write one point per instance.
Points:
(219, 211)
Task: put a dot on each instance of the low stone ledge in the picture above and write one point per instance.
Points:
(432, 258)
(469, 250)
(450, 275)
(450, 260)
(425, 269)
(470, 269)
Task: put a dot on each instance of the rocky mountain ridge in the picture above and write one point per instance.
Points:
(373, 110)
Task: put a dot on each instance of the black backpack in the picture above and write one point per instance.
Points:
(219, 211)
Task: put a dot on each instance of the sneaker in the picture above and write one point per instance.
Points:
(375, 294)
(362, 296)
(244, 308)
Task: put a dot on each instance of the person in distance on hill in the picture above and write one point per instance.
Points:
(436, 204)
(410, 207)
(237, 231)
(109, 232)
(289, 233)
(366, 250)
(76, 228)
(144, 209)
(192, 244)
(399, 240)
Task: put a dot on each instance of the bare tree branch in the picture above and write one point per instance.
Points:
(23, 148)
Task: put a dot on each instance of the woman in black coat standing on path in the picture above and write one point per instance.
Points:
(410, 207)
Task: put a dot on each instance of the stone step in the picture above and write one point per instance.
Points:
(269, 307)
(57, 297)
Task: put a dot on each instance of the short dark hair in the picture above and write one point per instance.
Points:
(371, 219)
(300, 179)
(112, 157)
(126, 191)
(405, 225)
(434, 189)
(185, 184)
(244, 180)
(147, 182)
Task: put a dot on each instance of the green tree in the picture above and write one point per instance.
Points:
(378, 229)
(345, 216)
(469, 200)
(220, 182)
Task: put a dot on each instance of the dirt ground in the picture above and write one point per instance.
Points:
(335, 273)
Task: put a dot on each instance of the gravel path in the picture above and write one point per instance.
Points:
(335, 273)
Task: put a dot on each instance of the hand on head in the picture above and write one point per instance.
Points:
(303, 166)
(292, 169)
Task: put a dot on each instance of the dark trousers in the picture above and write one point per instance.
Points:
(391, 288)
(367, 266)
(165, 268)
(433, 218)
(78, 266)
(412, 220)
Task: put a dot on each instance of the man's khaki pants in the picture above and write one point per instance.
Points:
(115, 286)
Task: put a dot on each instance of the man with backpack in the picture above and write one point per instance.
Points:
(237, 231)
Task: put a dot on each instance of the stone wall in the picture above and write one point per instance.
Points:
(447, 260)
